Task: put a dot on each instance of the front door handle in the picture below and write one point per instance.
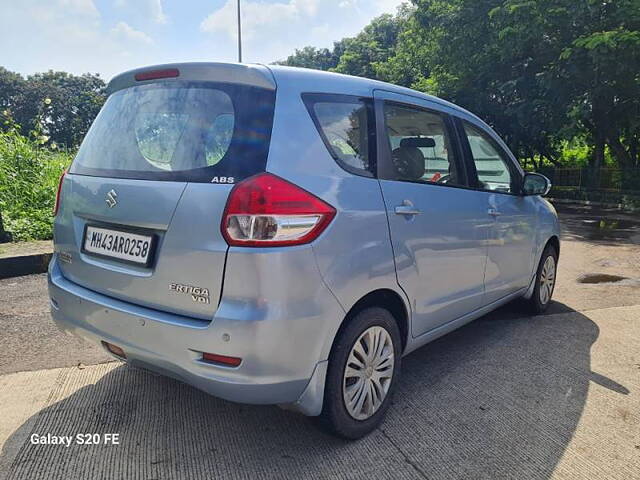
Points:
(493, 212)
(407, 208)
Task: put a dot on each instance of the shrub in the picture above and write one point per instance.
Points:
(29, 175)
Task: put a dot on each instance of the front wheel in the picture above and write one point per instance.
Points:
(545, 280)
(363, 369)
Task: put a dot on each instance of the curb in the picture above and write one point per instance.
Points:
(24, 265)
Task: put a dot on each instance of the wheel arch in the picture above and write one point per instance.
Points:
(384, 298)
(555, 242)
(312, 399)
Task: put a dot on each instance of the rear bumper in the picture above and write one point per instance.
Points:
(283, 359)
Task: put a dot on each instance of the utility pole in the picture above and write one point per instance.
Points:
(239, 36)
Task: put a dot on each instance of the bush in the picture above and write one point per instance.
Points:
(29, 175)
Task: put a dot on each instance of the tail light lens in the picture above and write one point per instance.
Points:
(267, 211)
(55, 209)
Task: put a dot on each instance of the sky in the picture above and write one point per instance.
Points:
(111, 36)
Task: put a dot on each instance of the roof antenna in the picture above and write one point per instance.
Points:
(239, 36)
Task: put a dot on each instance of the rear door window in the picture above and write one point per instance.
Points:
(421, 147)
(345, 124)
(181, 131)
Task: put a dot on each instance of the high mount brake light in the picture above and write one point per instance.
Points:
(58, 194)
(155, 74)
(267, 211)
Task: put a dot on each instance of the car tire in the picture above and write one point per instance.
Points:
(354, 374)
(545, 281)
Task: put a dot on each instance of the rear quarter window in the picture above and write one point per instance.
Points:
(180, 131)
(346, 125)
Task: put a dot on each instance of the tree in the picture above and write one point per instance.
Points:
(408, 65)
(540, 71)
(373, 46)
(59, 104)
(360, 55)
(10, 85)
(601, 62)
(490, 57)
(74, 103)
(311, 57)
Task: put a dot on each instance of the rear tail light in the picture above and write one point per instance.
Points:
(267, 211)
(55, 209)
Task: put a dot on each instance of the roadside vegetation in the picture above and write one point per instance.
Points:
(43, 119)
(30, 167)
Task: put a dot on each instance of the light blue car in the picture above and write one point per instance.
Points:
(284, 236)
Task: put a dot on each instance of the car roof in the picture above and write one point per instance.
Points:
(278, 76)
(322, 81)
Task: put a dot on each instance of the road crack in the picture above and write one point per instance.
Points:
(404, 455)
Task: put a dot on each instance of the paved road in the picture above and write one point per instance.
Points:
(30, 339)
(505, 397)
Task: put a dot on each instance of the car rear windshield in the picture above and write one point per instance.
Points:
(180, 131)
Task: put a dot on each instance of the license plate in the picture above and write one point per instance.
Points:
(126, 246)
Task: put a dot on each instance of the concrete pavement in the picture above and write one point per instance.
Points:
(555, 396)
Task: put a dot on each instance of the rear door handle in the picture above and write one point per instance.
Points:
(493, 212)
(407, 210)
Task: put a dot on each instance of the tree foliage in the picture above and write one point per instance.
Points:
(362, 55)
(59, 104)
(311, 57)
(544, 73)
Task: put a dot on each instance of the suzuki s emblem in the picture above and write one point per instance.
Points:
(112, 198)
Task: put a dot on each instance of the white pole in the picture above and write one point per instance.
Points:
(239, 36)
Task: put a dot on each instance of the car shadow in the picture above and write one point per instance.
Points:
(500, 397)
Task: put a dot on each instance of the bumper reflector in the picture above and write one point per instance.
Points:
(221, 359)
(115, 349)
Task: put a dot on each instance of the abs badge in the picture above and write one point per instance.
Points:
(223, 180)
(198, 294)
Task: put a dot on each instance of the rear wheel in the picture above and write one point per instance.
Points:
(545, 280)
(363, 369)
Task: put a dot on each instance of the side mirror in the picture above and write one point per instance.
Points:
(535, 184)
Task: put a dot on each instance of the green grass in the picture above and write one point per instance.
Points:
(29, 175)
